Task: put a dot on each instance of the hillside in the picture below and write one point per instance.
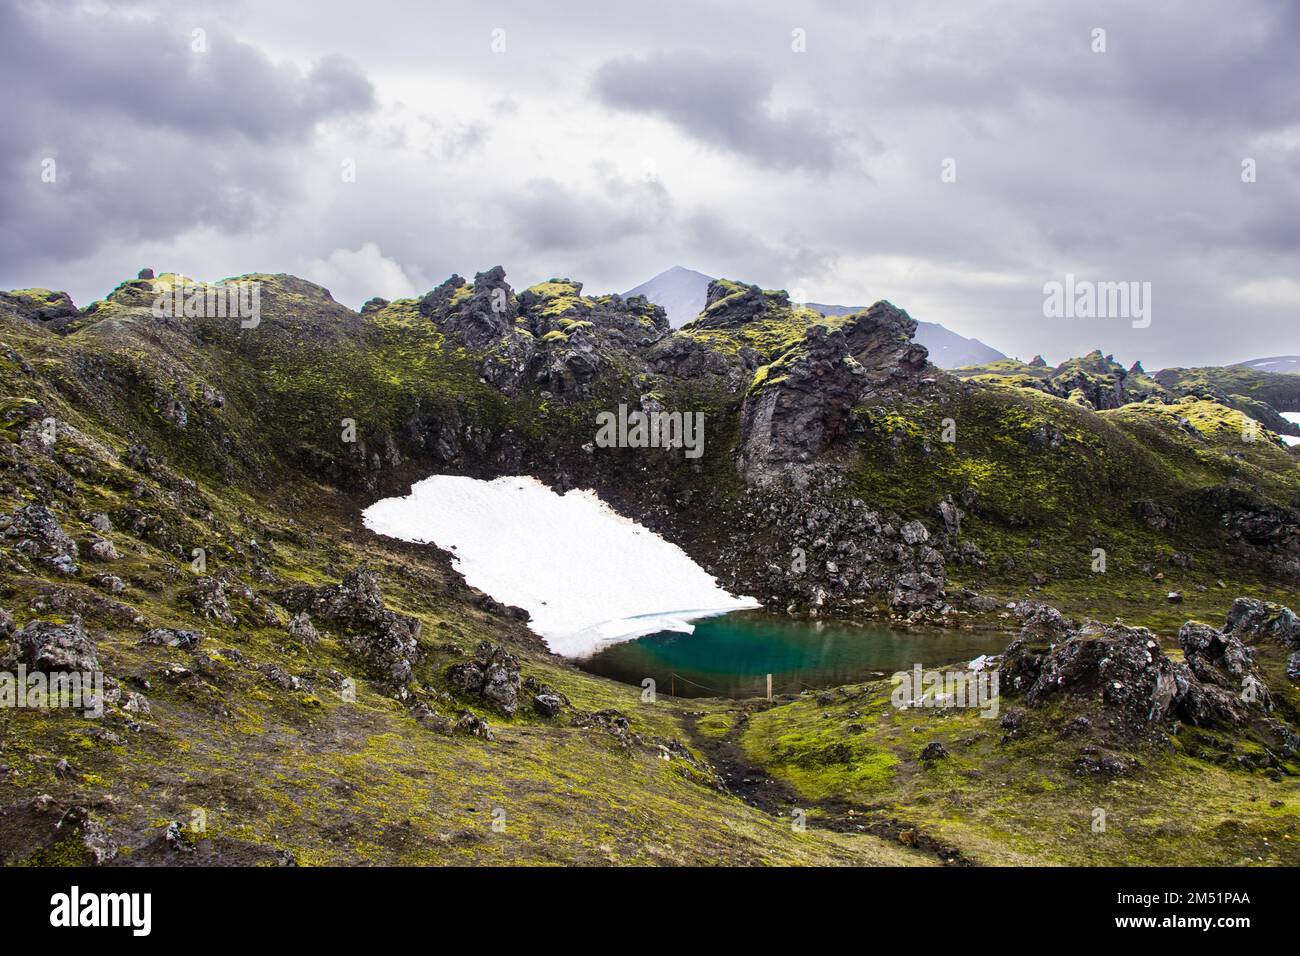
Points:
(181, 504)
(1097, 381)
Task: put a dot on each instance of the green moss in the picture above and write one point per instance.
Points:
(820, 759)
(715, 725)
(1020, 801)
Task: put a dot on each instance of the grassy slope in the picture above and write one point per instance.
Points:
(363, 782)
(1019, 801)
(1054, 481)
(302, 769)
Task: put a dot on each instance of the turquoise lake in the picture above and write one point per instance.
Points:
(730, 655)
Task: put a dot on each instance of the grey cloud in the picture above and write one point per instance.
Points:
(145, 71)
(824, 166)
(150, 138)
(722, 101)
(548, 215)
(771, 258)
(1199, 65)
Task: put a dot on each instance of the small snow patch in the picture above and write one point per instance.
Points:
(586, 574)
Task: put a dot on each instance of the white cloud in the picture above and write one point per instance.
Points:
(1278, 291)
(355, 275)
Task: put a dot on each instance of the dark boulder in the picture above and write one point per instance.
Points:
(209, 600)
(548, 705)
(37, 533)
(1216, 657)
(729, 304)
(802, 402)
(493, 677)
(470, 723)
(799, 405)
(951, 516)
(303, 629)
(1120, 670)
(1043, 628)
(881, 341)
(386, 641)
(934, 751)
(172, 637)
(1252, 620)
(915, 590)
(1122, 679)
(49, 647)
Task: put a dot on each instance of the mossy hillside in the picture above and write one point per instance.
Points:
(1020, 800)
(1261, 395)
(1047, 482)
(1004, 368)
(1281, 392)
(356, 782)
(381, 375)
(124, 369)
(388, 372)
(1052, 478)
(1008, 380)
(291, 386)
(302, 769)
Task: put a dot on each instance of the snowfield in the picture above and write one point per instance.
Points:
(1293, 417)
(586, 574)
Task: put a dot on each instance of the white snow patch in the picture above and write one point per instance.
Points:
(586, 574)
(1293, 417)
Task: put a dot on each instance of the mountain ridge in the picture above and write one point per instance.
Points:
(683, 292)
(1281, 364)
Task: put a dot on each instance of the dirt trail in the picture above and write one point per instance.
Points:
(746, 780)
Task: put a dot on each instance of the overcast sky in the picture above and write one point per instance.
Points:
(798, 146)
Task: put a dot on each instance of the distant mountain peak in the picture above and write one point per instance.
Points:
(1282, 364)
(682, 292)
